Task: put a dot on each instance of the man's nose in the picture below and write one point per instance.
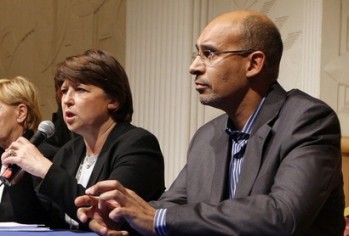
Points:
(197, 66)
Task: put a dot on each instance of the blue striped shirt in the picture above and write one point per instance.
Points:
(235, 168)
(160, 222)
(238, 150)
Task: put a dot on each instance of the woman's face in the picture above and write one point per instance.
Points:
(11, 127)
(85, 107)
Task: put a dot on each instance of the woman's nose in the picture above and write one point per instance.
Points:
(68, 97)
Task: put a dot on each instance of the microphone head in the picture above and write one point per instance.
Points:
(47, 127)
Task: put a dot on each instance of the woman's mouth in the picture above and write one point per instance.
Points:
(69, 117)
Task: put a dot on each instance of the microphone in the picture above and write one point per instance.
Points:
(13, 173)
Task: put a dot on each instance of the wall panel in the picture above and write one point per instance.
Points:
(158, 54)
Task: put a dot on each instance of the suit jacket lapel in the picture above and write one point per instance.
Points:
(252, 162)
(221, 167)
(73, 157)
(105, 153)
(261, 129)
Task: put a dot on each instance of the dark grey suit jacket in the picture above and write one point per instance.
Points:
(290, 183)
(130, 155)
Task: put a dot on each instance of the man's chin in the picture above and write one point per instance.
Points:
(205, 100)
(210, 102)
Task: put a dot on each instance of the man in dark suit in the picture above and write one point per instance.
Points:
(270, 166)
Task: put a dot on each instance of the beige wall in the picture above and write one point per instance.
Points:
(37, 34)
(335, 59)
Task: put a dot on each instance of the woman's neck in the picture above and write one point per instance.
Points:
(95, 143)
(13, 136)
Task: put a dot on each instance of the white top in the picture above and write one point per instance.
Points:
(85, 169)
(82, 176)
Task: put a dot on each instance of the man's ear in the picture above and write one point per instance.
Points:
(257, 62)
(21, 113)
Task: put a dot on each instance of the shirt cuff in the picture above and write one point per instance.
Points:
(160, 222)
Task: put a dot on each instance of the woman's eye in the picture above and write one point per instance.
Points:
(80, 89)
(64, 90)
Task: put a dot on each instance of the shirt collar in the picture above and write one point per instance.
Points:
(244, 134)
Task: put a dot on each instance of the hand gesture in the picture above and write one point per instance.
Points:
(116, 203)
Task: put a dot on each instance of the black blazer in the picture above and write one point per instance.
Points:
(290, 182)
(130, 155)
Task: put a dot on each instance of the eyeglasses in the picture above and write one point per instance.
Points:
(207, 56)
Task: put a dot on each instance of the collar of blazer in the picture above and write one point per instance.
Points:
(117, 132)
(262, 127)
(80, 151)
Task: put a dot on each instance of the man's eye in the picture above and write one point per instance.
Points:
(207, 53)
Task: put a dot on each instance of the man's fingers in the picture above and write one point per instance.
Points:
(115, 195)
(108, 205)
(82, 201)
(84, 213)
(85, 204)
(104, 186)
(85, 201)
(117, 233)
(97, 227)
(110, 191)
(101, 229)
(117, 214)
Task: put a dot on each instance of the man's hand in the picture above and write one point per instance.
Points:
(91, 207)
(122, 203)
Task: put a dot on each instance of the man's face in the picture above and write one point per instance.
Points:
(220, 78)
